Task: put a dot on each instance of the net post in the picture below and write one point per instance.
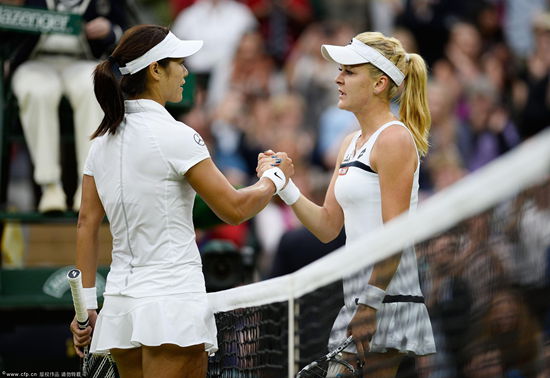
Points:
(291, 327)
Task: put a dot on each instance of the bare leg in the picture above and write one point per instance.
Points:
(128, 362)
(382, 365)
(169, 360)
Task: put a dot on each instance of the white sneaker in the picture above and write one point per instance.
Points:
(77, 199)
(53, 199)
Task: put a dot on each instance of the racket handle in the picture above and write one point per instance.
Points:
(75, 281)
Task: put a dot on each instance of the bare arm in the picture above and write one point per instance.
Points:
(325, 221)
(394, 158)
(87, 234)
(229, 204)
(87, 248)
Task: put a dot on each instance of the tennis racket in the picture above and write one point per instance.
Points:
(93, 365)
(331, 365)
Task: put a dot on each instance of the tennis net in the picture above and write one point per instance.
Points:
(482, 247)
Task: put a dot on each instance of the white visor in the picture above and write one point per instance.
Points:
(359, 53)
(170, 47)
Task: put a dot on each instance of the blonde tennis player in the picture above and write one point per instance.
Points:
(142, 172)
(374, 181)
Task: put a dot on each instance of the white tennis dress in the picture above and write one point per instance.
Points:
(401, 325)
(155, 291)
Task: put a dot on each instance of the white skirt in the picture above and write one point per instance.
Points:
(403, 326)
(182, 319)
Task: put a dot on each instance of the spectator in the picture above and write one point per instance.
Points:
(483, 360)
(383, 15)
(488, 22)
(448, 299)
(227, 123)
(510, 326)
(534, 87)
(406, 37)
(488, 131)
(430, 22)
(529, 234)
(281, 23)
(443, 137)
(444, 169)
(334, 126)
(250, 71)
(299, 247)
(288, 135)
(517, 24)
(480, 262)
(221, 24)
(62, 65)
(463, 50)
(311, 75)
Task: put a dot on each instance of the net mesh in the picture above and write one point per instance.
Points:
(482, 250)
(252, 342)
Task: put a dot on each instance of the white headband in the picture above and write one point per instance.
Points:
(359, 53)
(170, 47)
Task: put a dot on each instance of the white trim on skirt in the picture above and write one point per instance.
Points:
(182, 319)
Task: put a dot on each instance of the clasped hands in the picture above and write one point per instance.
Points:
(269, 159)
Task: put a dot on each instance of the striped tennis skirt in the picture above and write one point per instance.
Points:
(181, 319)
(401, 325)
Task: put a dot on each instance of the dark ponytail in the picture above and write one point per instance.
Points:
(111, 88)
(109, 95)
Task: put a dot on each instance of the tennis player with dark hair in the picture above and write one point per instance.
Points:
(142, 172)
(374, 181)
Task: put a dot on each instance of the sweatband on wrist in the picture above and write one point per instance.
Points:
(90, 297)
(290, 194)
(276, 175)
(372, 297)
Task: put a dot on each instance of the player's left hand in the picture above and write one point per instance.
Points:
(83, 337)
(363, 327)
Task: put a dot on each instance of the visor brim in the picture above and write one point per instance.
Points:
(342, 55)
(185, 48)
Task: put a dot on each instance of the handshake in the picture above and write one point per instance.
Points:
(278, 167)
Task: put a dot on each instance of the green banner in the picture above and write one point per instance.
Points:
(39, 20)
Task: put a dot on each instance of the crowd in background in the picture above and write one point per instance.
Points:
(487, 283)
(261, 83)
(489, 90)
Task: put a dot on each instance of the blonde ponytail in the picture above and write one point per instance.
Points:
(414, 111)
(413, 99)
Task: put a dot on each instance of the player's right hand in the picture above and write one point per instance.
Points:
(270, 159)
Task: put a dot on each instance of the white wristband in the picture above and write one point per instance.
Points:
(276, 175)
(290, 194)
(90, 297)
(372, 297)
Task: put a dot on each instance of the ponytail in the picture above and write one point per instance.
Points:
(109, 95)
(111, 88)
(414, 111)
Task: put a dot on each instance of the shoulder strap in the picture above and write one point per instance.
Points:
(364, 154)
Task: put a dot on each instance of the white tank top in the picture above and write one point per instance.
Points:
(357, 190)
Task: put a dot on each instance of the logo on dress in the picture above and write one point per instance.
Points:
(343, 170)
(198, 139)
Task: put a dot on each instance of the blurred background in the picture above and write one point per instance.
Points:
(259, 83)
